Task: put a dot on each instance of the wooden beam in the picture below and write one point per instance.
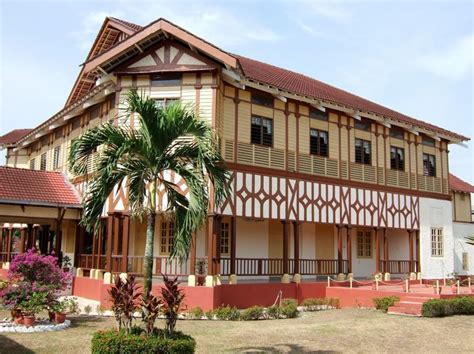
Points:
(377, 250)
(108, 250)
(125, 242)
(410, 250)
(339, 249)
(233, 243)
(296, 246)
(349, 249)
(210, 244)
(285, 246)
(192, 258)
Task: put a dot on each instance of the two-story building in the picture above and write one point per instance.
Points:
(324, 181)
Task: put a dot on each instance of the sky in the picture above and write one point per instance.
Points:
(412, 56)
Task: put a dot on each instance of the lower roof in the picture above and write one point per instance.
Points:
(41, 188)
(458, 185)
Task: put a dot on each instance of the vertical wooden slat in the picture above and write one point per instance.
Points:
(377, 250)
(385, 250)
(410, 250)
(210, 244)
(349, 249)
(285, 247)
(192, 266)
(339, 249)
(296, 246)
(108, 249)
(125, 240)
(233, 243)
(9, 244)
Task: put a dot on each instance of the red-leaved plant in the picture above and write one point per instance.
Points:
(172, 297)
(151, 309)
(125, 301)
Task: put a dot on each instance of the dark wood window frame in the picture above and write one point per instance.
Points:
(360, 146)
(363, 124)
(43, 162)
(166, 79)
(429, 165)
(262, 100)
(257, 134)
(316, 145)
(397, 158)
(315, 113)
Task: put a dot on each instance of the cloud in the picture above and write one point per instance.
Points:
(331, 10)
(309, 30)
(90, 27)
(454, 62)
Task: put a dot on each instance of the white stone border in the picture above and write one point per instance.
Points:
(12, 327)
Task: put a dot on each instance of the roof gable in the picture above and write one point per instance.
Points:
(458, 185)
(12, 137)
(167, 56)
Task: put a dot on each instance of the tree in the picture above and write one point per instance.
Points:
(470, 240)
(172, 138)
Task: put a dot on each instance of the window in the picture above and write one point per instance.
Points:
(465, 261)
(397, 133)
(167, 236)
(363, 151)
(43, 162)
(58, 133)
(225, 239)
(426, 140)
(164, 102)
(57, 152)
(76, 124)
(429, 165)
(364, 244)
(397, 158)
(95, 113)
(317, 114)
(32, 164)
(318, 142)
(166, 79)
(262, 100)
(437, 242)
(262, 131)
(363, 124)
(44, 140)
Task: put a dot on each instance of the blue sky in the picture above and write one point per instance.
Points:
(414, 57)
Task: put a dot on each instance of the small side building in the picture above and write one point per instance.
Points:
(463, 225)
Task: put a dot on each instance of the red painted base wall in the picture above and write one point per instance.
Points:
(3, 274)
(238, 295)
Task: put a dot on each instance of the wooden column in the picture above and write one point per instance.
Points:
(22, 239)
(217, 244)
(385, 250)
(98, 244)
(377, 250)
(192, 258)
(339, 249)
(349, 249)
(296, 246)
(125, 242)
(285, 246)
(210, 244)
(233, 243)
(1, 243)
(29, 237)
(108, 249)
(418, 253)
(9, 244)
(410, 250)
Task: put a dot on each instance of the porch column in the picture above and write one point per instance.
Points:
(211, 235)
(115, 249)
(296, 246)
(22, 240)
(377, 250)
(385, 251)
(418, 254)
(233, 243)
(29, 237)
(110, 227)
(349, 248)
(285, 246)
(339, 249)
(35, 235)
(410, 250)
(192, 258)
(1, 243)
(97, 246)
(9, 243)
(217, 242)
(125, 242)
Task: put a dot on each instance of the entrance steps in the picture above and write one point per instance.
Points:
(409, 305)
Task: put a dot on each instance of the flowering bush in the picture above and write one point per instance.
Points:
(33, 276)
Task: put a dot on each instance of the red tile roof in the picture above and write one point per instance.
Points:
(13, 136)
(132, 26)
(303, 85)
(457, 184)
(33, 187)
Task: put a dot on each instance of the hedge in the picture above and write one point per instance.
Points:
(448, 307)
(114, 341)
(383, 303)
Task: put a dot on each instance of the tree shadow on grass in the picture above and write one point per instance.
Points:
(8, 345)
(87, 321)
(281, 348)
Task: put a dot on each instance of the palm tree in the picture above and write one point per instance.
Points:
(470, 240)
(166, 139)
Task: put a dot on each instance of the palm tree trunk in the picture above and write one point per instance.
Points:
(148, 261)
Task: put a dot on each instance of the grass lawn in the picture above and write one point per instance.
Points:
(349, 330)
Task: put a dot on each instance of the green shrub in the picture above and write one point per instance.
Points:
(312, 303)
(227, 313)
(383, 303)
(209, 314)
(88, 310)
(159, 342)
(252, 313)
(448, 307)
(196, 313)
(334, 303)
(289, 308)
(273, 312)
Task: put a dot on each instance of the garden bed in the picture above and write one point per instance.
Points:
(41, 325)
